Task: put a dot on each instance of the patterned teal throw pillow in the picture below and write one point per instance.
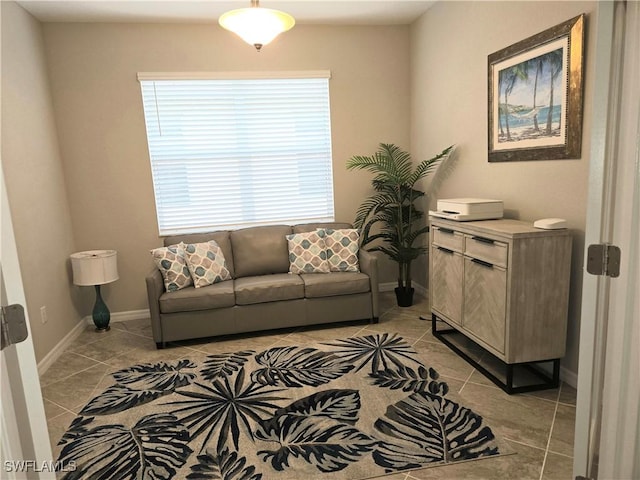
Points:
(206, 263)
(173, 266)
(307, 253)
(342, 249)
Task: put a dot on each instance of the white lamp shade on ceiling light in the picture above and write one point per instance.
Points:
(94, 267)
(256, 25)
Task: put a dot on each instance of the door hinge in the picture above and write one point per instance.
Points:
(603, 259)
(14, 325)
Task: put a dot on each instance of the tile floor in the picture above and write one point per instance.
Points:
(538, 426)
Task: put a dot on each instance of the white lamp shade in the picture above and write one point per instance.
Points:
(257, 25)
(94, 267)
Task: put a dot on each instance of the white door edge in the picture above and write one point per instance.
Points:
(24, 414)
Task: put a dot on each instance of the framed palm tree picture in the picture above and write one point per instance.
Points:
(535, 96)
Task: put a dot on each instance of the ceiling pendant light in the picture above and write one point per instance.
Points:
(256, 25)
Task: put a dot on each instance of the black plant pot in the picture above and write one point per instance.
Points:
(404, 296)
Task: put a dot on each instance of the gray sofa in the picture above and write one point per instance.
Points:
(262, 294)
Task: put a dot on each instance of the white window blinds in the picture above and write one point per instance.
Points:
(227, 153)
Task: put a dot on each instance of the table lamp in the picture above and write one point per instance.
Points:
(96, 267)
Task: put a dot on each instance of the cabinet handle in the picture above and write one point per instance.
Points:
(445, 250)
(445, 230)
(483, 240)
(480, 262)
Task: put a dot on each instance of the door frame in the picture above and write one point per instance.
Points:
(593, 292)
(607, 403)
(620, 423)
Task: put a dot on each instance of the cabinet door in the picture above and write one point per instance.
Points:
(446, 283)
(485, 293)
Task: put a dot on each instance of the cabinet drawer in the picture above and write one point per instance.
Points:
(447, 238)
(486, 249)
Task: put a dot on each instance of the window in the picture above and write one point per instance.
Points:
(232, 152)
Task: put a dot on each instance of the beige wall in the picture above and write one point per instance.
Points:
(449, 49)
(93, 69)
(35, 181)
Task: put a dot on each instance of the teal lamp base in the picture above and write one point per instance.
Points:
(101, 315)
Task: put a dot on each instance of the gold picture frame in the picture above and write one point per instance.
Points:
(535, 96)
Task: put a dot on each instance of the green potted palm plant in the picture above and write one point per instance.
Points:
(391, 208)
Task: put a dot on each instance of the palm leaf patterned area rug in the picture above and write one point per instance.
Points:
(352, 408)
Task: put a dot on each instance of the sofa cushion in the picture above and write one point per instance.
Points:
(218, 295)
(172, 264)
(206, 263)
(334, 283)
(307, 252)
(260, 250)
(221, 238)
(342, 249)
(268, 288)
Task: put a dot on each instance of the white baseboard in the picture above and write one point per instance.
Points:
(566, 375)
(58, 350)
(123, 316)
(389, 286)
(569, 377)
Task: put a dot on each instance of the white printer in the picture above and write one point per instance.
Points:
(467, 209)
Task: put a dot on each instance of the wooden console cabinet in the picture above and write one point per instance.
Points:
(505, 285)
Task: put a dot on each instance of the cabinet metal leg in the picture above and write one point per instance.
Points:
(507, 385)
(509, 382)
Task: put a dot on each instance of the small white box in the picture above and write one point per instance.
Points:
(467, 209)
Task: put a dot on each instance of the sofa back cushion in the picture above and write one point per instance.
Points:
(310, 227)
(221, 238)
(260, 250)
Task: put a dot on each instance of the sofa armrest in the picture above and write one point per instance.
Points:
(155, 288)
(369, 265)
